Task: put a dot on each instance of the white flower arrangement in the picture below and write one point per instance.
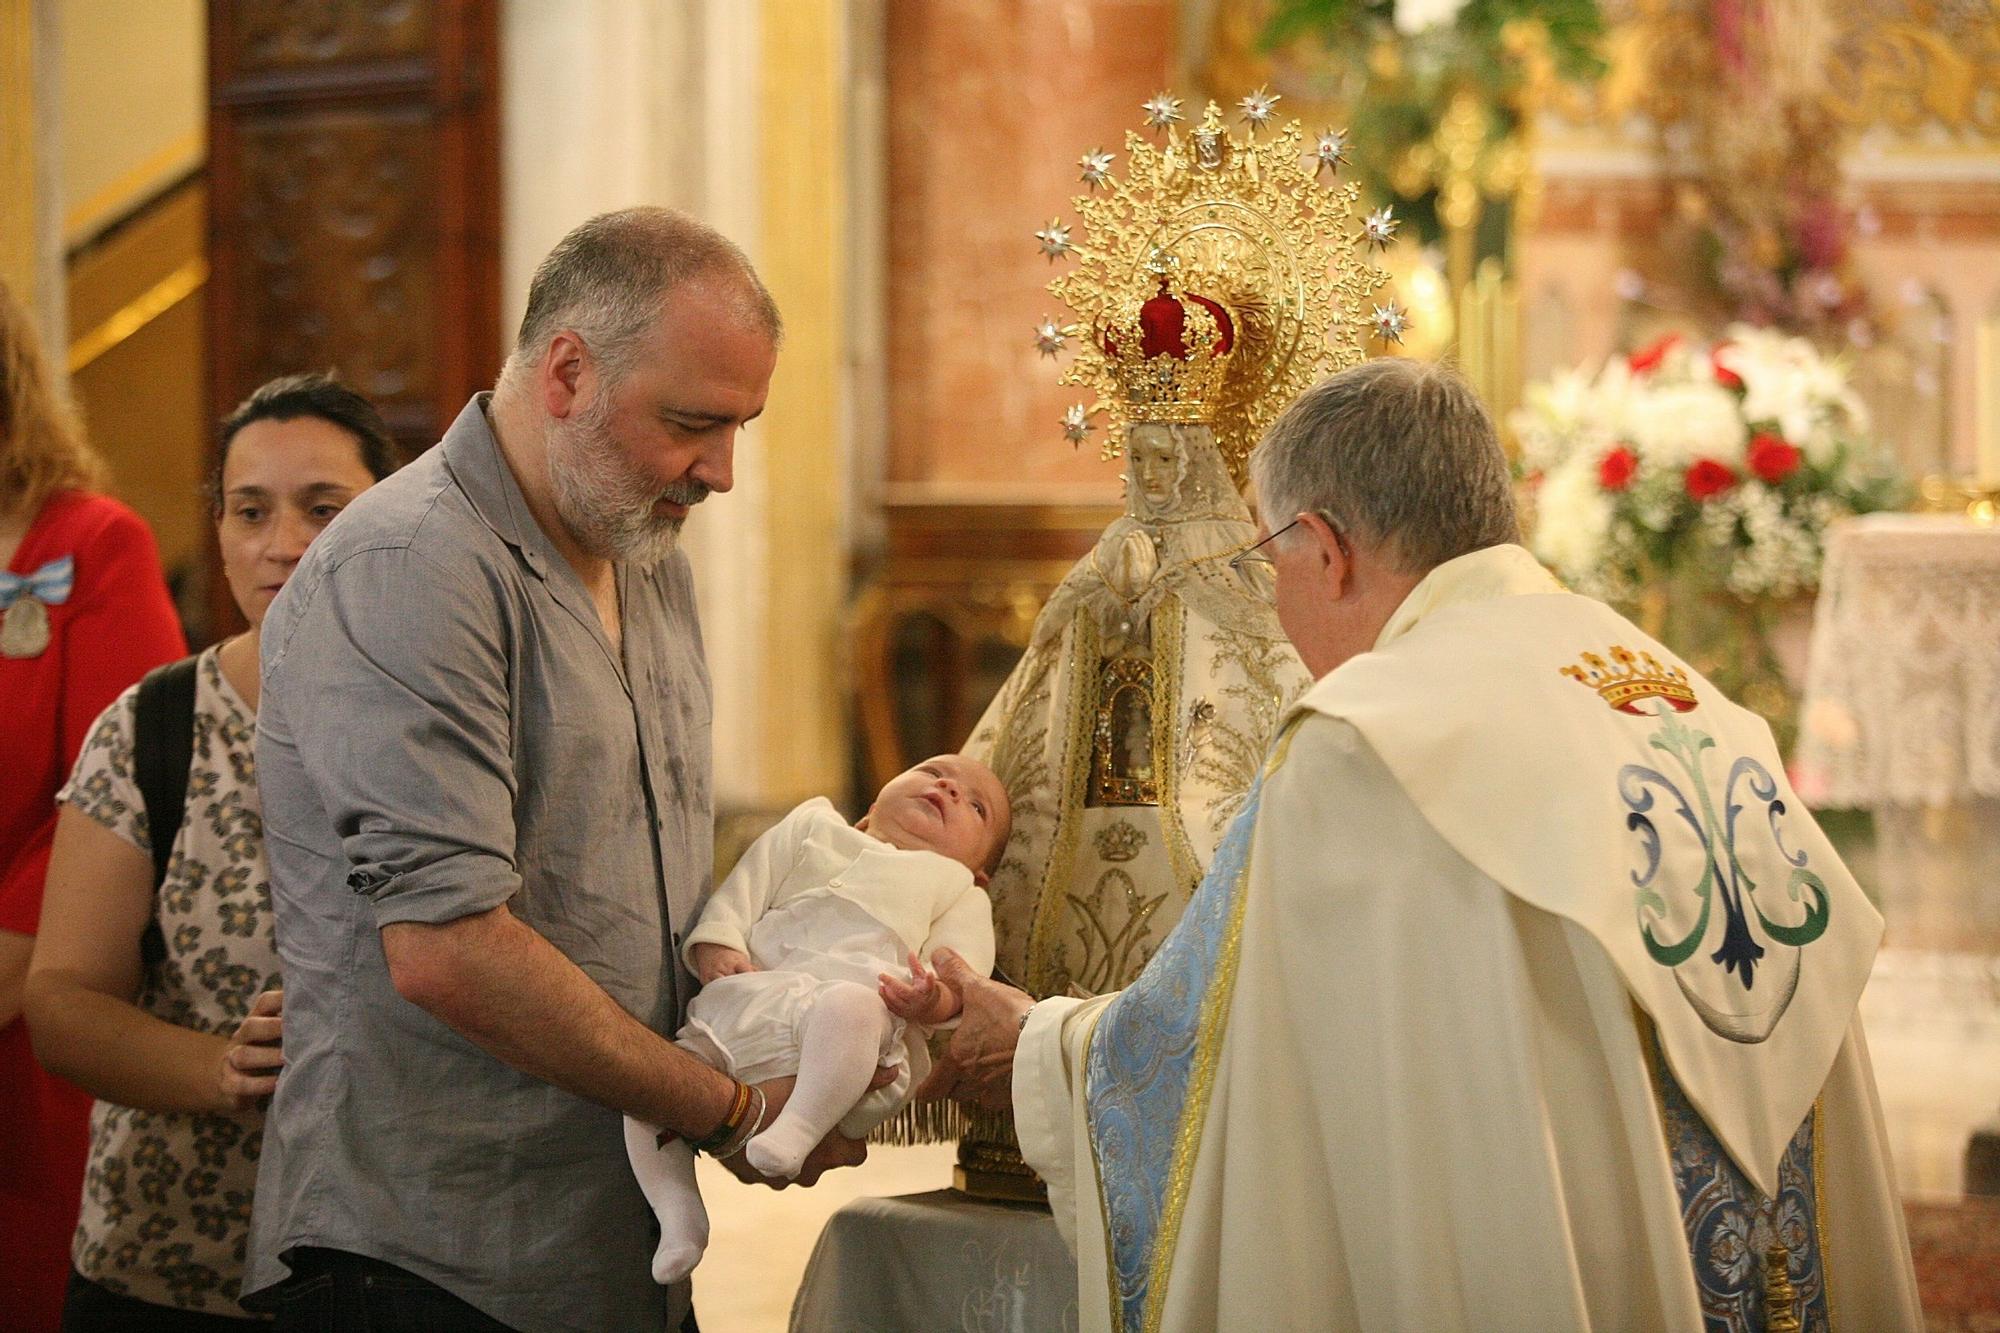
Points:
(1415, 16)
(1725, 463)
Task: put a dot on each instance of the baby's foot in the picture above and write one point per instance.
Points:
(677, 1256)
(780, 1150)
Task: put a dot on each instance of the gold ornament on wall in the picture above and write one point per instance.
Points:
(1902, 65)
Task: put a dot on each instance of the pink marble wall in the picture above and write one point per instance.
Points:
(991, 102)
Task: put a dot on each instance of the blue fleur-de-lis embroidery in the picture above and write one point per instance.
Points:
(1723, 877)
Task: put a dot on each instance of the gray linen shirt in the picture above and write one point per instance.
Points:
(444, 728)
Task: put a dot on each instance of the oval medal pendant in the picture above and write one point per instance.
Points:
(24, 629)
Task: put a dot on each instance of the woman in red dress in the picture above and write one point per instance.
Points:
(84, 612)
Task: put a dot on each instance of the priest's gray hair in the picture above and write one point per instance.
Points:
(605, 281)
(1400, 453)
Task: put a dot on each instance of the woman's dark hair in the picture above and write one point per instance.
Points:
(317, 394)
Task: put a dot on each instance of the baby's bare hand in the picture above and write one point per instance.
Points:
(910, 1000)
(719, 960)
(923, 999)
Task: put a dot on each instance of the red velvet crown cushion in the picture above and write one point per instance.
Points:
(1163, 328)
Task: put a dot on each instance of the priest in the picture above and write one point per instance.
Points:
(1521, 994)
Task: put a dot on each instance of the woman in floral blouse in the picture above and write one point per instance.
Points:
(182, 1053)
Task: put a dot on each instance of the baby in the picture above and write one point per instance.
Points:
(794, 953)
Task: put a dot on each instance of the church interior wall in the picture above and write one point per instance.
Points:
(131, 121)
(752, 117)
(989, 106)
(133, 108)
(31, 162)
(973, 504)
(142, 395)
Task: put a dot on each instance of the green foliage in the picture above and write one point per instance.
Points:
(1334, 21)
(1347, 28)
(1575, 28)
(1393, 104)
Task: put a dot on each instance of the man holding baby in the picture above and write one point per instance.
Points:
(484, 753)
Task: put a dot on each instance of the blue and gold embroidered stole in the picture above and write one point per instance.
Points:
(1150, 1068)
(1731, 1225)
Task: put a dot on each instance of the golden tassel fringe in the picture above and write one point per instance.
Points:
(922, 1122)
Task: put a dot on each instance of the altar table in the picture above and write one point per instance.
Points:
(1902, 718)
(937, 1261)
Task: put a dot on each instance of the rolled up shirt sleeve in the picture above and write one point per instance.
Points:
(391, 684)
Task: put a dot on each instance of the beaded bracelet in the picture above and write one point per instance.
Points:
(730, 1124)
(751, 1124)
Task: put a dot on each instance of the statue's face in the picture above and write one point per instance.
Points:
(1154, 466)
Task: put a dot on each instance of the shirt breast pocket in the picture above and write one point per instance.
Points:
(681, 705)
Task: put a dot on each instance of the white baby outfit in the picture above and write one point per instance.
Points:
(820, 907)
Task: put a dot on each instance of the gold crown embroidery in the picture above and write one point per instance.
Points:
(1629, 677)
(1120, 842)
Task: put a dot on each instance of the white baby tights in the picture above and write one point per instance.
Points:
(841, 1042)
(666, 1178)
(840, 1045)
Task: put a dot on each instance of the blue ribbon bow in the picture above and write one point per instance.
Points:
(49, 585)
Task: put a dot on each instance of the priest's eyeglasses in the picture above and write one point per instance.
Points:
(1255, 554)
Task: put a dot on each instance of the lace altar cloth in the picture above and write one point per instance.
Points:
(938, 1261)
(1902, 701)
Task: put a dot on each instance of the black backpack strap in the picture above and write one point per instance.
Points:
(162, 749)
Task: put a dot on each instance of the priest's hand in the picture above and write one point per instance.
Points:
(978, 1067)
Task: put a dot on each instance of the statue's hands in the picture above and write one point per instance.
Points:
(924, 998)
(719, 960)
(977, 1068)
(836, 1149)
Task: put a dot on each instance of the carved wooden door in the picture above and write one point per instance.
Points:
(354, 203)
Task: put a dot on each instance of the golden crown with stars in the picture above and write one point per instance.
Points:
(1218, 279)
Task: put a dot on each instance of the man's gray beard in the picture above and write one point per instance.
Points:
(606, 506)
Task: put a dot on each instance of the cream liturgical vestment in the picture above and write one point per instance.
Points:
(1521, 995)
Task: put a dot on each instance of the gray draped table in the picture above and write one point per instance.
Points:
(924, 1262)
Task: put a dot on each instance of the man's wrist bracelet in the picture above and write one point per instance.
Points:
(751, 1124)
(732, 1121)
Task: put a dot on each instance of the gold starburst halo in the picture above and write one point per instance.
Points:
(1241, 220)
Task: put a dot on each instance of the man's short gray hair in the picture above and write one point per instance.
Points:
(1400, 453)
(606, 279)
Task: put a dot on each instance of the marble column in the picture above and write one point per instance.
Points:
(733, 112)
(31, 259)
(807, 232)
